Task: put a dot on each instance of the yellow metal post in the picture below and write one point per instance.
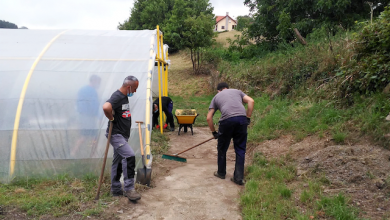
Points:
(164, 86)
(159, 79)
(149, 102)
(166, 75)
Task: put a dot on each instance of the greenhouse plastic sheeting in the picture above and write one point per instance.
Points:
(66, 77)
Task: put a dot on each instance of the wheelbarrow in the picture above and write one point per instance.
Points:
(185, 118)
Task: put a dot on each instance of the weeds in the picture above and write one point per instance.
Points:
(159, 143)
(337, 207)
(57, 197)
(267, 194)
(308, 117)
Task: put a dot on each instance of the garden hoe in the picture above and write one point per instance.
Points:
(182, 159)
(144, 175)
(104, 161)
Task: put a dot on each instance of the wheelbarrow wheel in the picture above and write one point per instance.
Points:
(185, 128)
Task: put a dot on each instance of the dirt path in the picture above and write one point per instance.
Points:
(188, 190)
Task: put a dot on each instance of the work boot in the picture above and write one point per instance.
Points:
(172, 128)
(165, 126)
(132, 195)
(238, 182)
(218, 175)
(117, 193)
(157, 126)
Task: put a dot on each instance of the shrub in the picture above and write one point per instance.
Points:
(370, 70)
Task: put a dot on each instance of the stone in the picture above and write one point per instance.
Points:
(301, 172)
(380, 183)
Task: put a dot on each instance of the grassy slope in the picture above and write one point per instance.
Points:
(267, 194)
(223, 36)
(189, 91)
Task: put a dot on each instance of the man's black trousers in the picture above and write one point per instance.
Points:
(236, 128)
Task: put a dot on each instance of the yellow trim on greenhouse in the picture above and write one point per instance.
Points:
(20, 107)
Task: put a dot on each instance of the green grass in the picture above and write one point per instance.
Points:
(272, 118)
(337, 207)
(59, 196)
(200, 103)
(267, 194)
(159, 143)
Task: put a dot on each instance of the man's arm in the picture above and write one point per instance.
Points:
(210, 119)
(251, 104)
(107, 109)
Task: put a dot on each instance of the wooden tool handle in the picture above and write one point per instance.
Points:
(104, 161)
(140, 136)
(196, 145)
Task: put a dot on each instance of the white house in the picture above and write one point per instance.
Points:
(225, 23)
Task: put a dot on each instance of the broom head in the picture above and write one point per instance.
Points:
(174, 157)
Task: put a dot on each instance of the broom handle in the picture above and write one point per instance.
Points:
(104, 161)
(140, 136)
(196, 145)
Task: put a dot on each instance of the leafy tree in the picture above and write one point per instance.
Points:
(243, 22)
(191, 26)
(147, 14)
(275, 19)
(6, 24)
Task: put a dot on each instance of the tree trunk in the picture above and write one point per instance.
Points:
(299, 37)
(192, 59)
(198, 59)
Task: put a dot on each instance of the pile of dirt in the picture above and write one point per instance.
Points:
(361, 172)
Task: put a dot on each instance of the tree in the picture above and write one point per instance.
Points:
(185, 23)
(275, 20)
(243, 22)
(191, 26)
(6, 24)
(147, 14)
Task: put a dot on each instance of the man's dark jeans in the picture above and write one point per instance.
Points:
(236, 128)
(170, 116)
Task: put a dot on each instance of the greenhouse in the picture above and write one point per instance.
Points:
(53, 84)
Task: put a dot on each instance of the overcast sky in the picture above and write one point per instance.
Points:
(86, 14)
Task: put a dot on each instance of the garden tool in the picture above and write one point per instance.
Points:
(144, 175)
(104, 161)
(182, 159)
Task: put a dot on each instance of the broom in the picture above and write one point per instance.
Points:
(182, 159)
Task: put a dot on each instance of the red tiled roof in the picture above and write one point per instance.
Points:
(219, 18)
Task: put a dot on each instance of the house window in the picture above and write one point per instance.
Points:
(216, 27)
(223, 27)
(234, 26)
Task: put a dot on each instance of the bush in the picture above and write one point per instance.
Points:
(369, 72)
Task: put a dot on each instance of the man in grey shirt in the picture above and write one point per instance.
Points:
(232, 124)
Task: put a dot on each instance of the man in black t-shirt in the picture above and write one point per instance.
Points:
(124, 157)
(167, 106)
